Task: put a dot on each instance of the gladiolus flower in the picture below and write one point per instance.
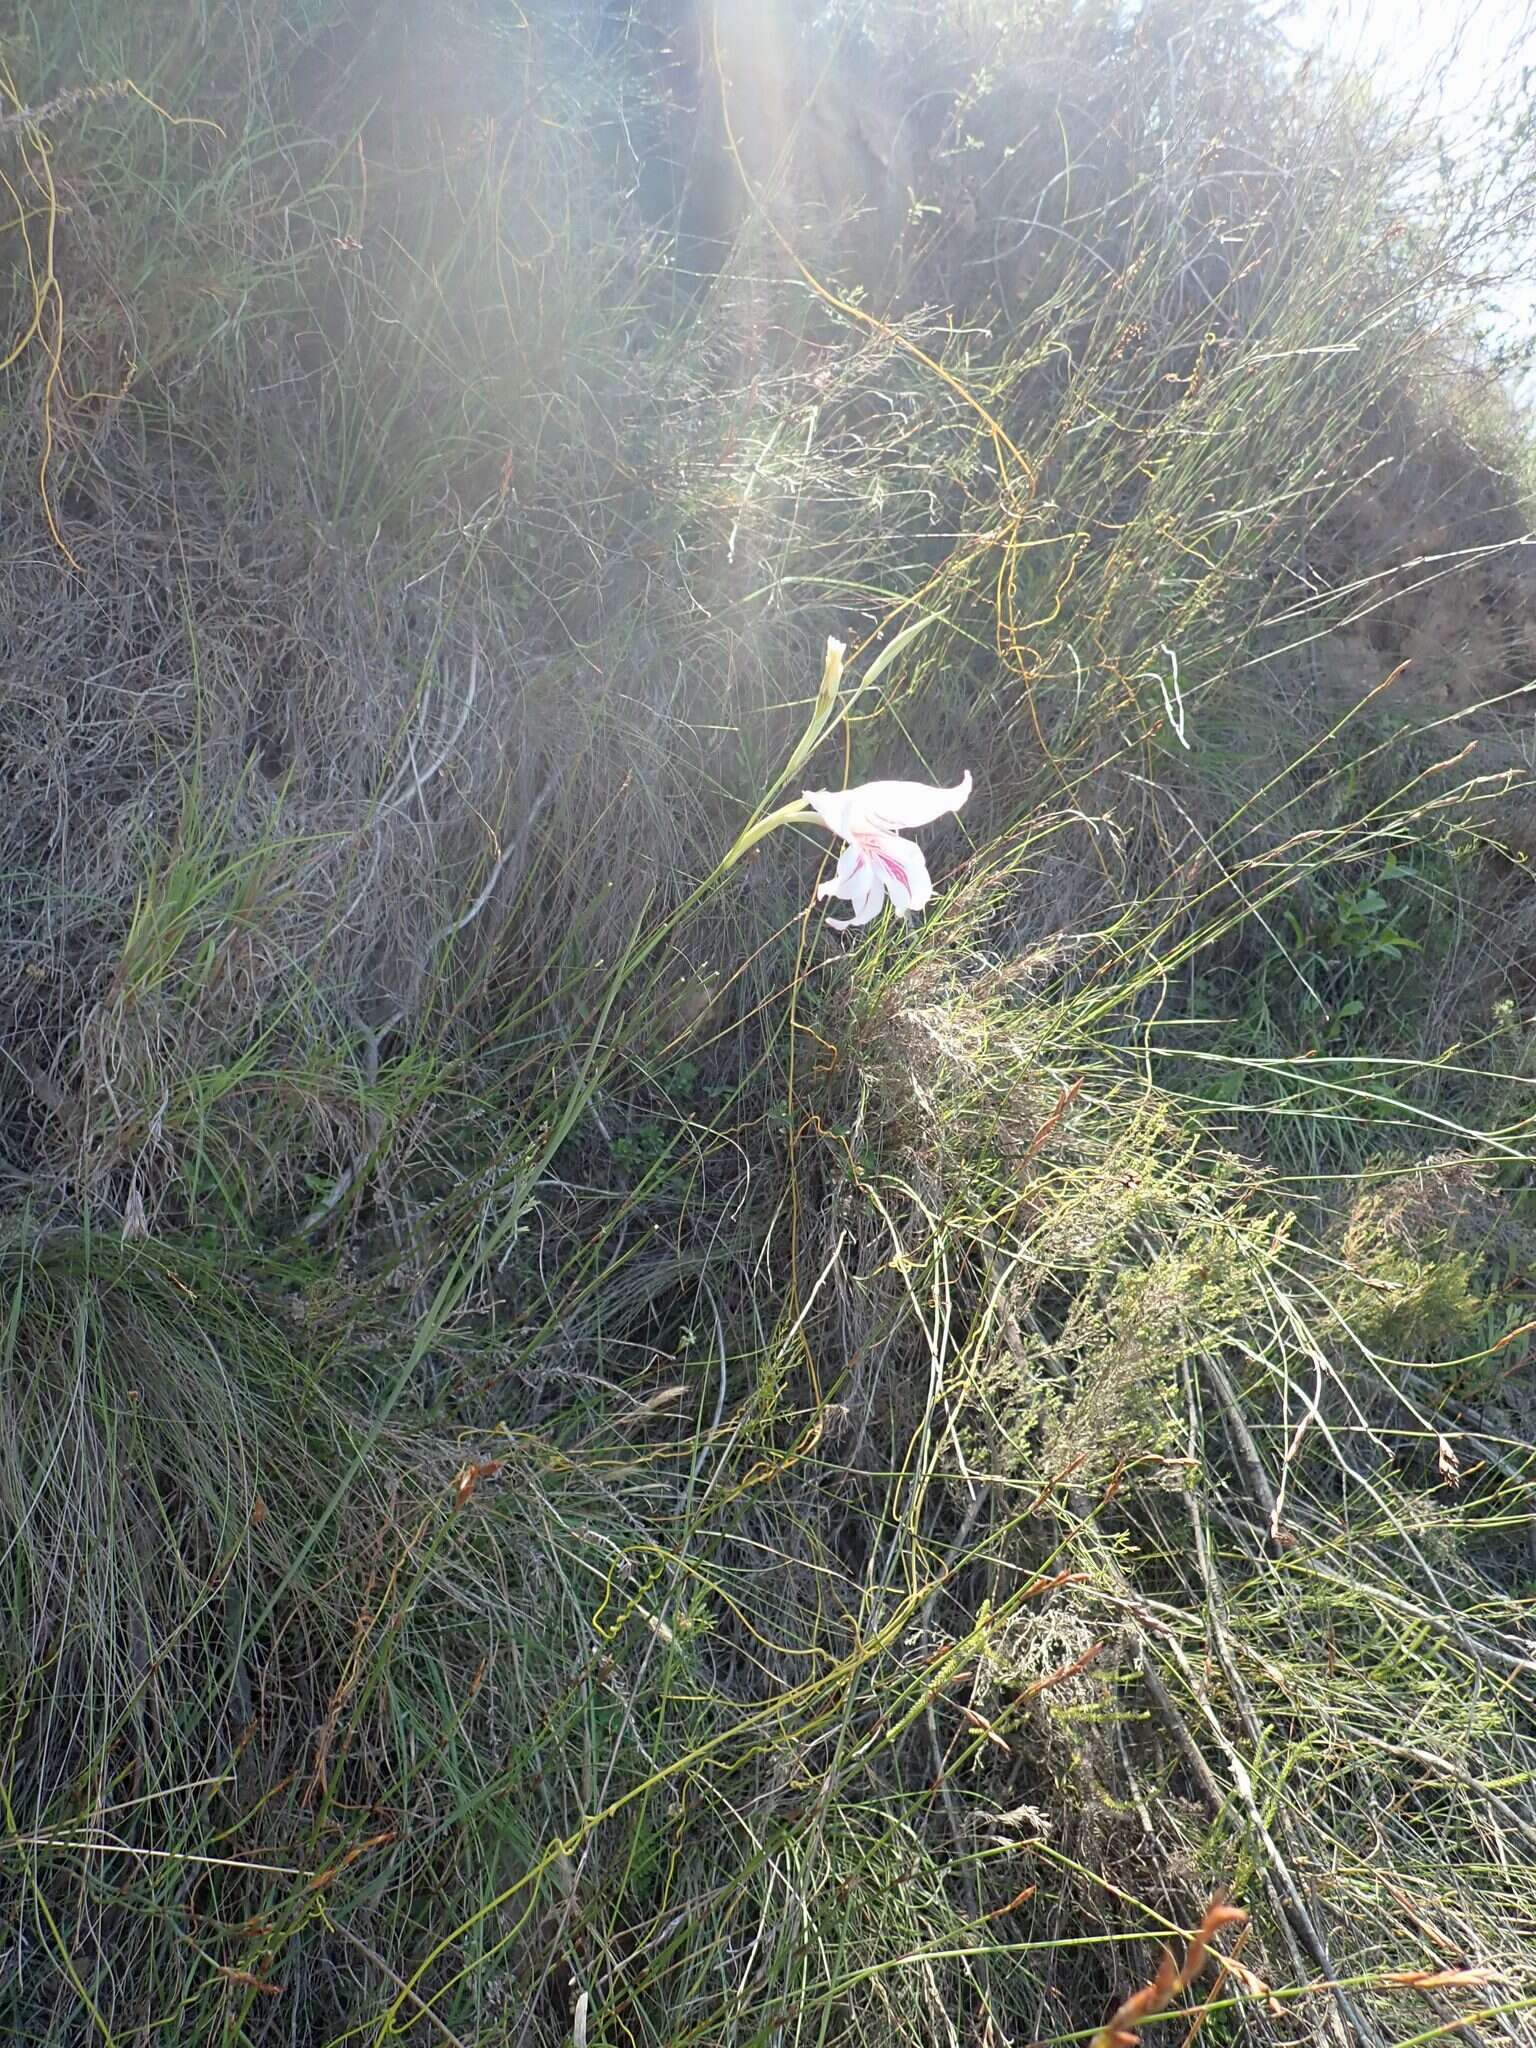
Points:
(877, 862)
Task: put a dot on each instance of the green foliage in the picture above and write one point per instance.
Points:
(1410, 1258)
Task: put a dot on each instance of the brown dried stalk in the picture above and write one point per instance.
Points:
(1445, 1980)
(64, 103)
(1120, 2031)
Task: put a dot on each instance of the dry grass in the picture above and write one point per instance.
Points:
(582, 1460)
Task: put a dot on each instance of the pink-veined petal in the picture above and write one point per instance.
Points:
(876, 861)
(862, 882)
(867, 894)
(885, 806)
(902, 868)
(901, 806)
(846, 880)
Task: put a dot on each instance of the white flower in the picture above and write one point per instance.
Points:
(877, 862)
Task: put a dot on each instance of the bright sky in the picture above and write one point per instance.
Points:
(1453, 50)
(1449, 58)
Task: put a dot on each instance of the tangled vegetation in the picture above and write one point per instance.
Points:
(581, 1459)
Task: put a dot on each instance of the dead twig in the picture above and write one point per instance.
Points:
(1278, 1872)
(1171, 1979)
